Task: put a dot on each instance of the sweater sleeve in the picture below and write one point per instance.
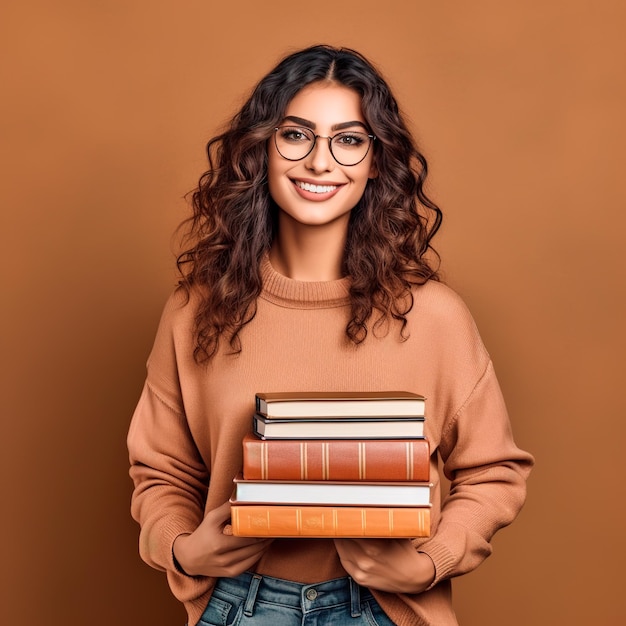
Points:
(488, 475)
(169, 475)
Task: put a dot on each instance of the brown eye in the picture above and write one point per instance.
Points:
(294, 135)
(349, 140)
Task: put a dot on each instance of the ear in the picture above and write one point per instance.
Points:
(373, 173)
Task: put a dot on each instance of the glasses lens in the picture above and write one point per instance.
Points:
(350, 148)
(294, 143)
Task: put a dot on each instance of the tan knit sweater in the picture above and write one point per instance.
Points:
(187, 429)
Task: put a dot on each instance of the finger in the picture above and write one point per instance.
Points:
(346, 546)
(237, 567)
(253, 545)
(348, 557)
(247, 554)
(230, 544)
(221, 514)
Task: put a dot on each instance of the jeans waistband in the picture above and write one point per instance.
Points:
(306, 597)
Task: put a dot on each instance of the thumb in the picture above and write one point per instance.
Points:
(221, 514)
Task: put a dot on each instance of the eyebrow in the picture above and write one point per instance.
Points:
(308, 124)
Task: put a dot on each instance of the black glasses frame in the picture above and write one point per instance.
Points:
(330, 144)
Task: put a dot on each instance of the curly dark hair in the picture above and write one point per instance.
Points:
(234, 217)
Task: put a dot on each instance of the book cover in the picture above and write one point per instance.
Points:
(338, 404)
(327, 521)
(344, 428)
(392, 494)
(336, 459)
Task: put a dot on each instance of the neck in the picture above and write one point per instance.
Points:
(309, 253)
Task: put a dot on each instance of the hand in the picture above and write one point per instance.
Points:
(386, 564)
(209, 551)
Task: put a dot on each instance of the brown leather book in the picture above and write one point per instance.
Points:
(318, 405)
(327, 521)
(336, 459)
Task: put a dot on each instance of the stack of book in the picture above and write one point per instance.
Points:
(334, 465)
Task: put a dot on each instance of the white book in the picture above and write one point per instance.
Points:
(345, 428)
(340, 404)
(332, 493)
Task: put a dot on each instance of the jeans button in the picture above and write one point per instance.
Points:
(311, 594)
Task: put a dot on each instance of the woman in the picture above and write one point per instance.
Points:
(310, 269)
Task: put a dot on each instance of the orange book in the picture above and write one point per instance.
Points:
(249, 520)
(336, 459)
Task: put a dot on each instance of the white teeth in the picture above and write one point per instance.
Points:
(315, 188)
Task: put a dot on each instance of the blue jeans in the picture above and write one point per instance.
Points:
(255, 599)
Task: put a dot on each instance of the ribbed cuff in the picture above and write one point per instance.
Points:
(442, 559)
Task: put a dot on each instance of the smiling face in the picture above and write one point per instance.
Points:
(316, 190)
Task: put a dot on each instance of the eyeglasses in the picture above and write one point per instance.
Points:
(348, 148)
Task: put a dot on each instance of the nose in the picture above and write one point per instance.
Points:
(320, 159)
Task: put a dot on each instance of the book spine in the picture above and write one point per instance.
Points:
(341, 459)
(325, 521)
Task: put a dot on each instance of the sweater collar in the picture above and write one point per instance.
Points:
(300, 294)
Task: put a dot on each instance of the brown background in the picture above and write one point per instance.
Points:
(106, 107)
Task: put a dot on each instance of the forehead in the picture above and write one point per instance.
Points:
(326, 104)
